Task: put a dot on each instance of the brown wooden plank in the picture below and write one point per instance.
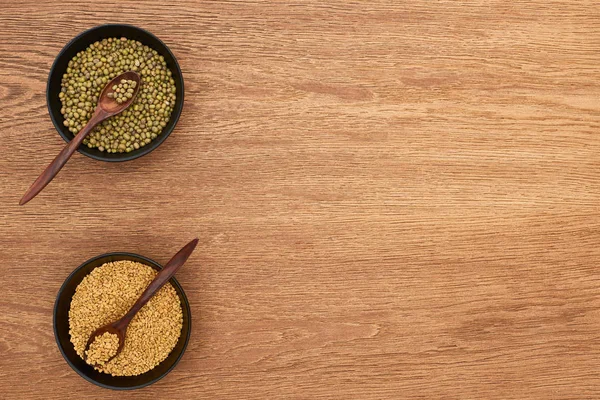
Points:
(394, 199)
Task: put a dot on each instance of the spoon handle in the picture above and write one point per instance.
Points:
(62, 157)
(161, 278)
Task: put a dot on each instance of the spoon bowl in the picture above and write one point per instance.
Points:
(110, 106)
(110, 328)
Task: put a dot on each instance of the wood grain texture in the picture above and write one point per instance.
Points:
(395, 199)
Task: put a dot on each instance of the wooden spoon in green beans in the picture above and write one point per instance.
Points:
(116, 96)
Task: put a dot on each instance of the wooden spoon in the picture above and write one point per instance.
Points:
(106, 108)
(120, 327)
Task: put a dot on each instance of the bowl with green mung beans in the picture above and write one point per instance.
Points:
(84, 67)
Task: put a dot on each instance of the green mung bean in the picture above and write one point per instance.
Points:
(92, 68)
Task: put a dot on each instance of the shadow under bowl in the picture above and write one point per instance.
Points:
(81, 42)
(61, 328)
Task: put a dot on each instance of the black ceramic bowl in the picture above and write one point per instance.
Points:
(61, 328)
(81, 42)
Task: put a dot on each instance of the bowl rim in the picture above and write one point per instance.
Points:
(125, 156)
(185, 304)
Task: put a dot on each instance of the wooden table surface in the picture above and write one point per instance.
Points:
(394, 199)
